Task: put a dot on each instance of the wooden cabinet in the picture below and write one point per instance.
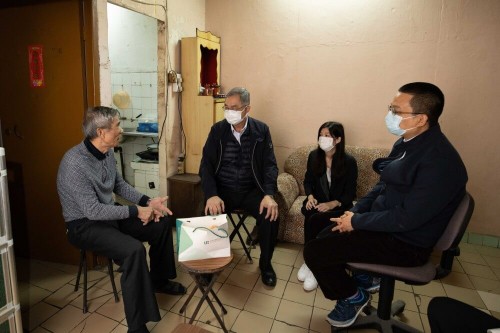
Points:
(219, 109)
(185, 196)
(200, 65)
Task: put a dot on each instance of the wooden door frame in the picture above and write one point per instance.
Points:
(102, 87)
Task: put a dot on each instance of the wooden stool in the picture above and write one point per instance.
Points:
(196, 269)
(187, 328)
(83, 266)
(242, 216)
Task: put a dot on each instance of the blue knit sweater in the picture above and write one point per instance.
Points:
(86, 181)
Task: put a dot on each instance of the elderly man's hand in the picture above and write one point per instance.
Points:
(145, 214)
(272, 207)
(159, 207)
(214, 206)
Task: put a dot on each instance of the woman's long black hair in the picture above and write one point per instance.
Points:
(338, 162)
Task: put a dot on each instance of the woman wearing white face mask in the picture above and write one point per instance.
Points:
(330, 186)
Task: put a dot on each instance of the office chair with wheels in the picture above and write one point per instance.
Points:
(382, 317)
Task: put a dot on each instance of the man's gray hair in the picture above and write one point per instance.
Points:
(98, 117)
(242, 92)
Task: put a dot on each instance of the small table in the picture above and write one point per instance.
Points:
(196, 268)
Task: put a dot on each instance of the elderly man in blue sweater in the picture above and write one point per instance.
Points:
(86, 181)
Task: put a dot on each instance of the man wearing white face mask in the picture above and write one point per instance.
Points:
(238, 170)
(422, 181)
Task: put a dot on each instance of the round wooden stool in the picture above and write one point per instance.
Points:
(197, 269)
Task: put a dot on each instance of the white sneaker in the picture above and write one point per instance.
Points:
(303, 272)
(310, 282)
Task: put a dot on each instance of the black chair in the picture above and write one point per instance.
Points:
(382, 317)
(83, 266)
(242, 216)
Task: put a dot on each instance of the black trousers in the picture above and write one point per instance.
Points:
(122, 241)
(327, 255)
(447, 315)
(315, 222)
(250, 202)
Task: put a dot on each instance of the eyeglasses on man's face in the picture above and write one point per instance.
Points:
(391, 109)
(241, 108)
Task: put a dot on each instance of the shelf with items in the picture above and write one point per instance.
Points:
(200, 68)
(143, 134)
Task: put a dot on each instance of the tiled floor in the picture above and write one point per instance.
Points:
(49, 303)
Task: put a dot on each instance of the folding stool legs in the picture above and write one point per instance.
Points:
(236, 231)
(112, 277)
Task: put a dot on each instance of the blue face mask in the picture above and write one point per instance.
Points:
(392, 122)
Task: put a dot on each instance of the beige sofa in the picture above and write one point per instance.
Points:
(291, 187)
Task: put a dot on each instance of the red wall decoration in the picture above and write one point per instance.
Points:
(35, 57)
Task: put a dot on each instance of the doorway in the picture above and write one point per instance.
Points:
(40, 123)
(133, 55)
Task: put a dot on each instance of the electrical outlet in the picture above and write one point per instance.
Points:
(177, 87)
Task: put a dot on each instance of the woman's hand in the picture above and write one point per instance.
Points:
(311, 202)
(326, 206)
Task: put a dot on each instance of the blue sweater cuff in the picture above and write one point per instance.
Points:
(133, 211)
(144, 201)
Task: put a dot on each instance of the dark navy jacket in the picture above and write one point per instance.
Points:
(264, 166)
(418, 191)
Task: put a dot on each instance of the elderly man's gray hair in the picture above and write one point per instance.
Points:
(98, 117)
(242, 92)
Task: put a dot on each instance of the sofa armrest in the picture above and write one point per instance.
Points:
(288, 191)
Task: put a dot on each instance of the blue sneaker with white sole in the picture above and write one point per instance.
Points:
(368, 282)
(346, 311)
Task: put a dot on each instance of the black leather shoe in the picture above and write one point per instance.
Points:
(171, 288)
(255, 236)
(268, 276)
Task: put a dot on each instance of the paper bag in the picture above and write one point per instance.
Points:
(202, 237)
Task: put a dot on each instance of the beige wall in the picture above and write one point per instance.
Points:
(307, 62)
(184, 17)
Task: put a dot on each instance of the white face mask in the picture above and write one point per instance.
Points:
(233, 117)
(326, 143)
(392, 122)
